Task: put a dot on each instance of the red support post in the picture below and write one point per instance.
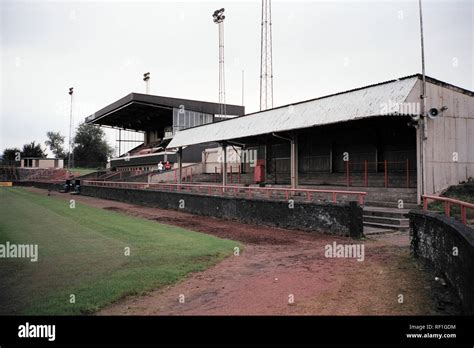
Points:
(463, 214)
(447, 209)
(386, 173)
(334, 197)
(366, 174)
(425, 203)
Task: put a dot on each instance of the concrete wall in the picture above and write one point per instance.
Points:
(433, 237)
(341, 219)
(452, 131)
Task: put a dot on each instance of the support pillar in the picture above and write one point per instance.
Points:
(294, 160)
(224, 166)
(180, 164)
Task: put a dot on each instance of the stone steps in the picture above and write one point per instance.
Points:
(369, 230)
(402, 222)
(388, 219)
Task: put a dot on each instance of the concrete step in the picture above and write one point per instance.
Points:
(368, 230)
(386, 212)
(387, 226)
(393, 204)
(387, 220)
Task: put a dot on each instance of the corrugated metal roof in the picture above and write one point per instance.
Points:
(351, 105)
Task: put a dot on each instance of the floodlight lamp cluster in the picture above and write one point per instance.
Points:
(146, 76)
(71, 90)
(218, 16)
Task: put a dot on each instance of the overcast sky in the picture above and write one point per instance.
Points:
(319, 47)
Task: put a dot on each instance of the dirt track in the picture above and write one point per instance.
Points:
(278, 265)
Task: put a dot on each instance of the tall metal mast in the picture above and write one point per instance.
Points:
(70, 158)
(423, 125)
(219, 17)
(146, 78)
(266, 68)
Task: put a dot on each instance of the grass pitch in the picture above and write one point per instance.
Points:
(82, 263)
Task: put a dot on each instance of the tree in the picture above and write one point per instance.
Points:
(33, 150)
(10, 155)
(55, 143)
(90, 146)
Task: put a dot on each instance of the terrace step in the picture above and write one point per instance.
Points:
(394, 204)
(386, 212)
(368, 230)
(387, 226)
(386, 218)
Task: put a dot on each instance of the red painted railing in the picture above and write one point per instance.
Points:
(350, 173)
(270, 192)
(448, 202)
(230, 173)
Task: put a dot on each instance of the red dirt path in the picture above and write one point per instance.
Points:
(278, 263)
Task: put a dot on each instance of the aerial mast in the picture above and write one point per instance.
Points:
(266, 68)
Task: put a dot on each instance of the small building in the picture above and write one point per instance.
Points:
(43, 163)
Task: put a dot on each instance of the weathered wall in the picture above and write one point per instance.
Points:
(41, 184)
(340, 219)
(433, 237)
(452, 131)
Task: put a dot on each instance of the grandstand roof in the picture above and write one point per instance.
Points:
(344, 106)
(143, 112)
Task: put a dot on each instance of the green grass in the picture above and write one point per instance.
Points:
(82, 252)
(83, 171)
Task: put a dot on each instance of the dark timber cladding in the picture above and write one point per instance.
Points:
(146, 112)
(370, 142)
